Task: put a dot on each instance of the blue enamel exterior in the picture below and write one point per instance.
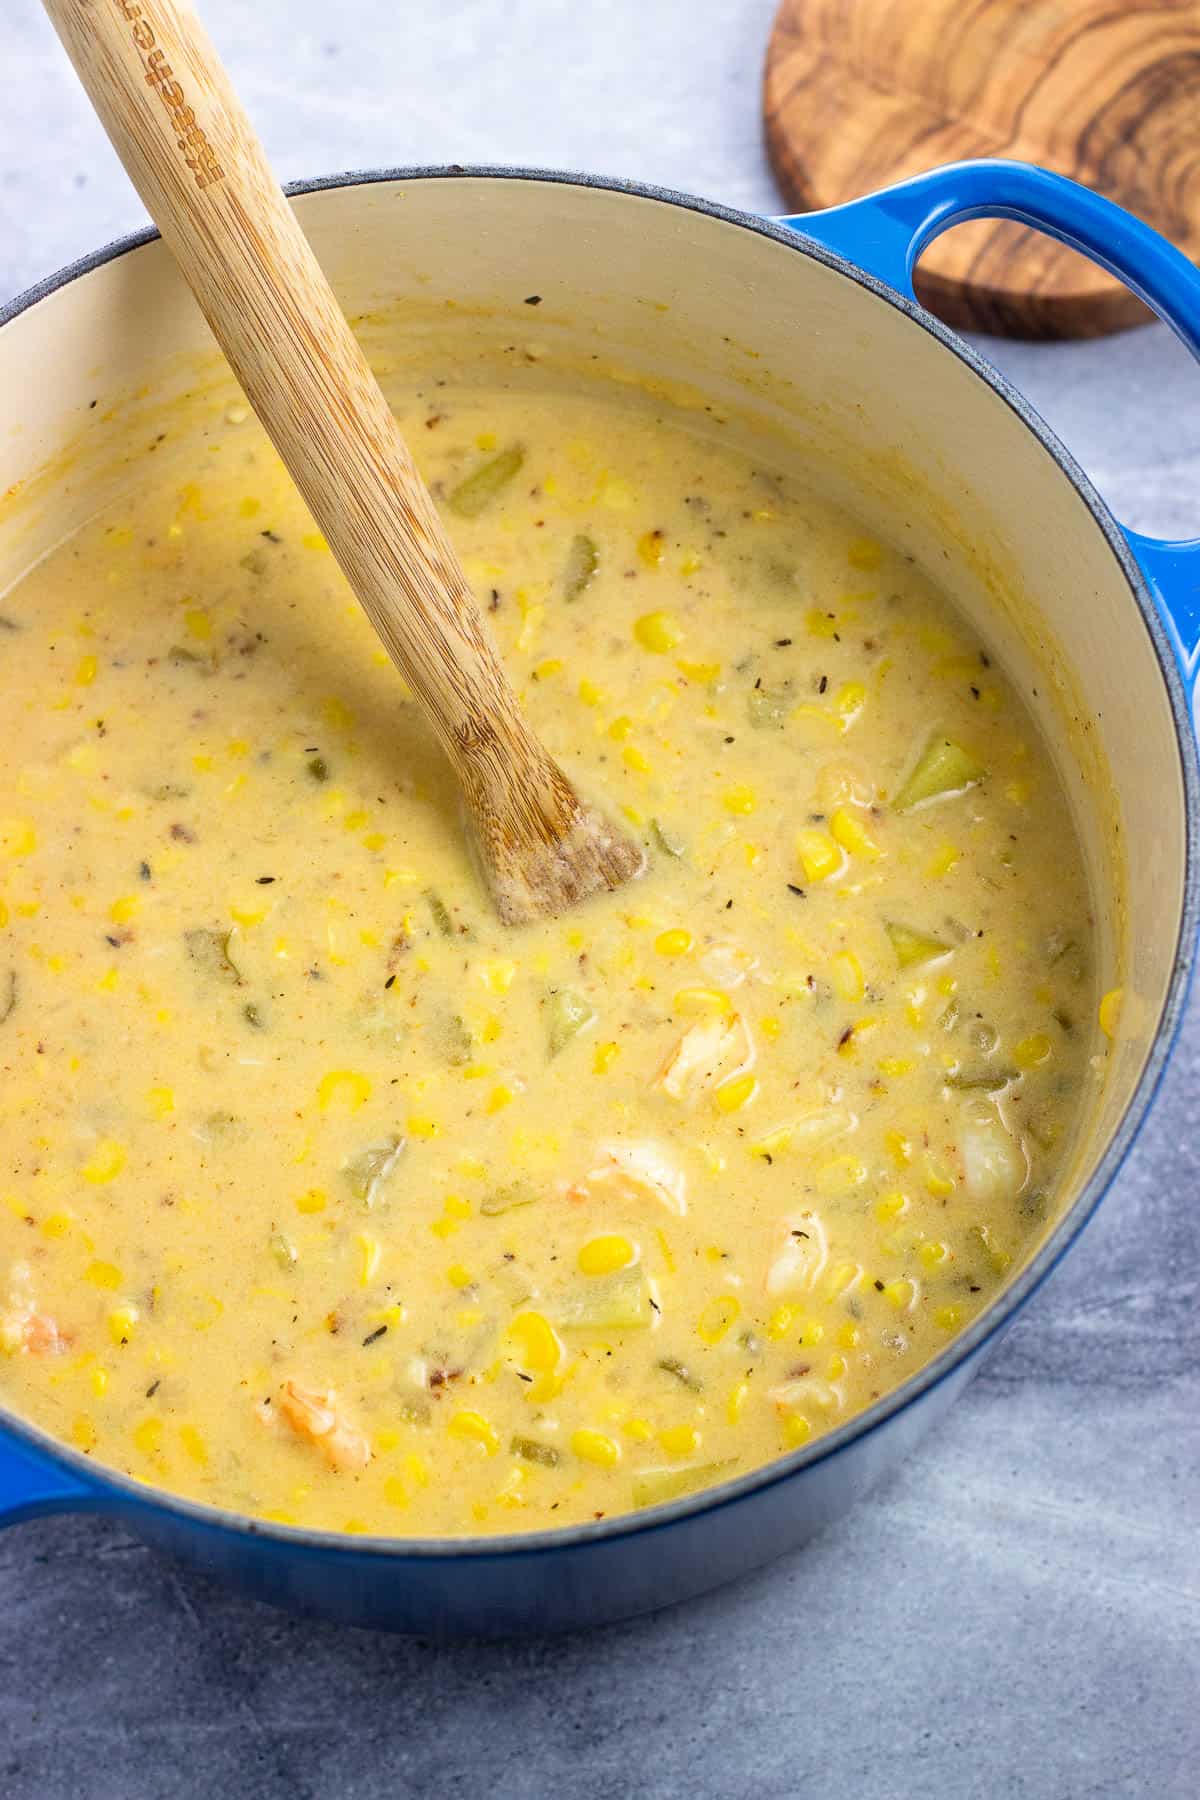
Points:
(886, 233)
(555, 1580)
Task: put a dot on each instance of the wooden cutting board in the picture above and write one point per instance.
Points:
(860, 93)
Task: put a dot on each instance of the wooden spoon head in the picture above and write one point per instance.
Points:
(542, 848)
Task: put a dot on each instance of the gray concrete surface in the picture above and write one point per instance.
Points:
(1018, 1612)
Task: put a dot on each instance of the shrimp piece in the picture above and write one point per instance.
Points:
(727, 965)
(706, 1053)
(803, 1252)
(23, 1329)
(314, 1415)
(640, 1170)
(806, 1391)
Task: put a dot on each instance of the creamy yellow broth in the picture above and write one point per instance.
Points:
(326, 1198)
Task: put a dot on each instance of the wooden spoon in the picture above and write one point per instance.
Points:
(190, 150)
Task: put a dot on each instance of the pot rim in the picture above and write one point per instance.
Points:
(962, 1349)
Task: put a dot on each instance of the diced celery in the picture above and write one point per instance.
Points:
(768, 707)
(671, 1365)
(943, 767)
(982, 1081)
(503, 1199)
(620, 1302)
(531, 1451)
(913, 946)
(452, 1039)
(370, 1170)
(583, 559)
(283, 1249)
(439, 912)
(209, 950)
(667, 840)
(654, 1487)
(481, 487)
(567, 1014)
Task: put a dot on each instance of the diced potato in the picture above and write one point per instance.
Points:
(943, 768)
(654, 1487)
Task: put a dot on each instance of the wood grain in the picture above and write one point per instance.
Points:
(860, 93)
(191, 152)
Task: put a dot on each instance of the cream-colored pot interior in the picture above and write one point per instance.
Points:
(732, 324)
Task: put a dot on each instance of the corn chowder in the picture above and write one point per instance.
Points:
(325, 1197)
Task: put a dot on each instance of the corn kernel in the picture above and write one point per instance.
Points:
(899, 1147)
(475, 1429)
(841, 1175)
(635, 759)
(498, 975)
(103, 1275)
(604, 1255)
(932, 1253)
(500, 1097)
(639, 1430)
(1032, 1050)
(419, 1126)
(895, 1066)
(549, 666)
(845, 972)
(83, 1433)
(702, 673)
(780, 1322)
(735, 1405)
(147, 1436)
(57, 1225)
(105, 1163)
(676, 942)
(891, 1206)
(849, 831)
(811, 1332)
(658, 632)
(594, 1447)
(651, 548)
(819, 856)
(850, 699)
(718, 1318)
(735, 1093)
(458, 1275)
(590, 694)
(121, 1323)
(701, 1000)
(944, 859)
(314, 1201)
(937, 1181)
(864, 553)
(99, 1382)
(680, 1440)
(900, 1294)
(740, 800)
(371, 1254)
(344, 1090)
(948, 1318)
(849, 1336)
(604, 1057)
(17, 837)
(1110, 1012)
(194, 1444)
(394, 1491)
(796, 1430)
(535, 1343)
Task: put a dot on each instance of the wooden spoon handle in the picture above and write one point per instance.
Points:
(190, 150)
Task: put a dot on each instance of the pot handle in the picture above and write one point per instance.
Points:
(31, 1484)
(886, 233)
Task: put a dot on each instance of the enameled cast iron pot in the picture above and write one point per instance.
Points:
(811, 322)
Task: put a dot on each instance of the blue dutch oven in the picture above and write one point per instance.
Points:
(809, 325)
